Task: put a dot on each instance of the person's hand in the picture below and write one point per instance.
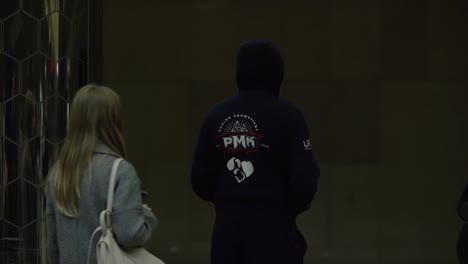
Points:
(147, 207)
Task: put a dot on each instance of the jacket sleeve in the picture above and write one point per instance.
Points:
(132, 224)
(203, 176)
(462, 206)
(302, 168)
(51, 229)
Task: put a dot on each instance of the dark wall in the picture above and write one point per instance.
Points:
(383, 86)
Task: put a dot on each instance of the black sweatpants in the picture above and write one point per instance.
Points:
(255, 238)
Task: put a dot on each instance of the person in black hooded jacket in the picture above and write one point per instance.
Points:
(254, 161)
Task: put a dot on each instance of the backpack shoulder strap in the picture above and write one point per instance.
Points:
(110, 192)
(91, 244)
(105, 216)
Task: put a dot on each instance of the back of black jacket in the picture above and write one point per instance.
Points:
(254, 148)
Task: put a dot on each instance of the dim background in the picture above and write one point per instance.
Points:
(383, 86)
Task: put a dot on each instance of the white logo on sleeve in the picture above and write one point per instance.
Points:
(307, 144)
(240, 169)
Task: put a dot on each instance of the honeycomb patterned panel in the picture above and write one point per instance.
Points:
(9, 77)
(54, 36)
(10, 162)
(38, 8)
(74, 11)
(8, 8)
(56, 112)
(31, 242)
(20, 35)
(30, 156)
(72, 8)
(2, 233)
(11, 241)
(75, 69)
(12, 202)
(43, 46)
(39, 77)
(51, 152)
(11, 230)
(20, 202)
(22, 115)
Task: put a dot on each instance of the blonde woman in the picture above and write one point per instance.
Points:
(77, 184)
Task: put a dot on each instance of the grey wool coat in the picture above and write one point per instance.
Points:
(68, 238)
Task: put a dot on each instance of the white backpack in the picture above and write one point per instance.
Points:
(107, 249)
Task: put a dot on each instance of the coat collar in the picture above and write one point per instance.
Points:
(102, 148)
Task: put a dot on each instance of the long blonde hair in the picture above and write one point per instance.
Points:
(95, 116)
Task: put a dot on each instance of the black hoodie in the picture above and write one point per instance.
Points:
(462, 206)
(253, 148)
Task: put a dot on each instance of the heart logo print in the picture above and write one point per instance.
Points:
(248, 168)
(240, 169)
